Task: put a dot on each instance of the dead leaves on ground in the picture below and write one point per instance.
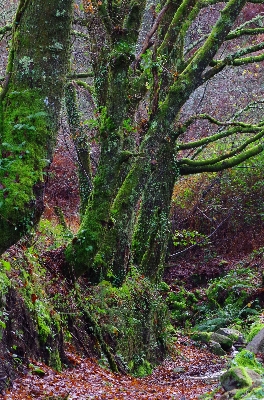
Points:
(179, 377)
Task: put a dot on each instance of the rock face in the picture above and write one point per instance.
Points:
(257, 343)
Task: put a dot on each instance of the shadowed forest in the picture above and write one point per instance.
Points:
(131, 199)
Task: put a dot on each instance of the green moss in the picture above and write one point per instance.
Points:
(247, 359)
(255, 328)
(240, 393)
(238, 376)
(203, 337)
(43, 320)
(54, 360)
(23, 155)
(143, 369)
(135, 317)
(257, 393)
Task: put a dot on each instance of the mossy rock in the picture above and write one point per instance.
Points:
(224, 341)
(235, 378)
(233, 334)
(216, 348)
(247, 359)
(203, 337)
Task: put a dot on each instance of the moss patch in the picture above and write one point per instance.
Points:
(248, 360)
(23, 159)
(134, 320)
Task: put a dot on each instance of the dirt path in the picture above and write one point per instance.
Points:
(178, 378)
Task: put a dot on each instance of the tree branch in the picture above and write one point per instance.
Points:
(234, 62)
(231, 59)
(213, 121)
(187, 10)
(227, 163)
(192, 76)
(240, 32)
(205, 141)
(150, 34)
(222, 157)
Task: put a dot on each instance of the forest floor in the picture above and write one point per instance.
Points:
(191, 372)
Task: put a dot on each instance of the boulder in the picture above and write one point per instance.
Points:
(257, 343)
(224, 341)
(236, 378)
(240, 377)
(233, 334)
(216, 348)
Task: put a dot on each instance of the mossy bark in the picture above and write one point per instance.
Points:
(89, 251)
(113, 234)
(30, 106)
(81, 143)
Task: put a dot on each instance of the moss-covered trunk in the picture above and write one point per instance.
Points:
(30, 106)
(151, 231)
(113, 233)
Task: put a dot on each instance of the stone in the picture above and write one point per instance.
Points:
(235, 378)
(257, 343)
(233, 334)
(216, 348)
(255, 377)
(224, 341)
(203, 337)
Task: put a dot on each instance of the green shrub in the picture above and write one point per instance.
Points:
(183, 306)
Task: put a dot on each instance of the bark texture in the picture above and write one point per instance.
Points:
(30, 106)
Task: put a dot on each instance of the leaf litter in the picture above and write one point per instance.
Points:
(182, 376)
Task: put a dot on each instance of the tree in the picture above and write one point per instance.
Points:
(143, 62)
(30, 106)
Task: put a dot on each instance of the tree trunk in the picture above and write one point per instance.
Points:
(151, 231)
(30, 106)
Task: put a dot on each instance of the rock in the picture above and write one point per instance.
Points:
(233, 334)
(216, 348)
(257, 343)
(235, 378)
(255, 377)
(240, 377)
(224, 341)
(203, 337)
(178, 370)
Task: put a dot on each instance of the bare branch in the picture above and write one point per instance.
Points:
(150, 34)
(205, 240)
